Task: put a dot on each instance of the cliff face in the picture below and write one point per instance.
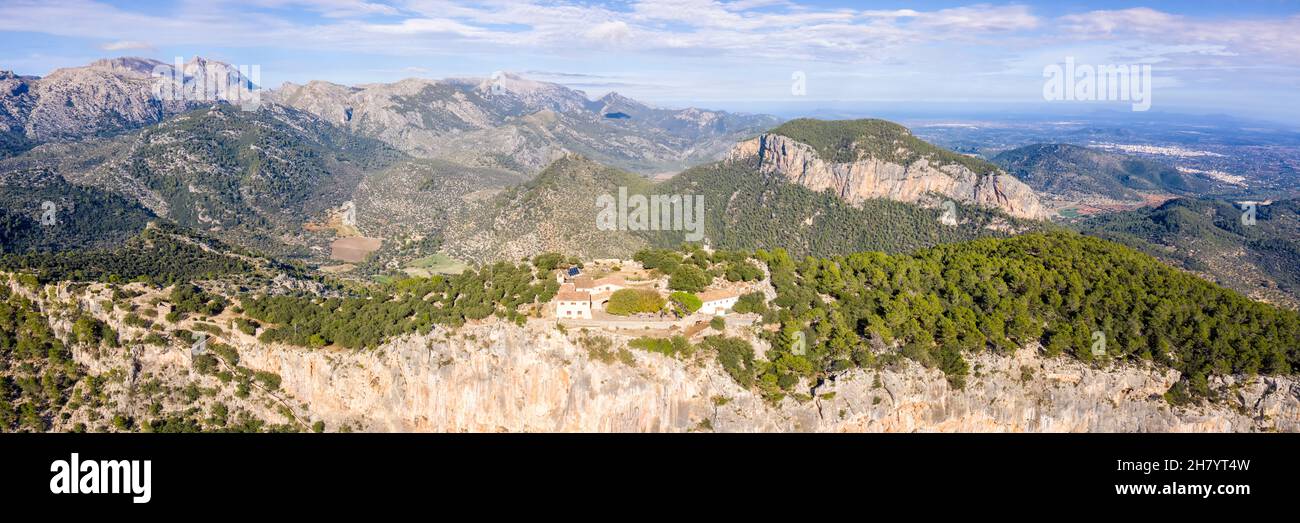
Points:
(533, 378)
(505, 378)
(874, 178)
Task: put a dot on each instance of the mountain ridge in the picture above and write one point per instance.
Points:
(864, 159)
(1073, 171)
(514, 123)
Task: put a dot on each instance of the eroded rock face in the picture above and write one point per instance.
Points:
(107, 97)
(501, 377)
(873, 178)
(513, 123)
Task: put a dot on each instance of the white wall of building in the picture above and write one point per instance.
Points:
(573, 309)
(718, 307)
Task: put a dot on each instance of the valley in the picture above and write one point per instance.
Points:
(428, 255)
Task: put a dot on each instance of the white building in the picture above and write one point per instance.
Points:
(608, 284)
(717, 303)
(572, 304)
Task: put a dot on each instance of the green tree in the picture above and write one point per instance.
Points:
(689, 278)
(632, 301)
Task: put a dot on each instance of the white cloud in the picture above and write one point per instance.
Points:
(127, 45)
(615, 32)
(1275, 38)
(976, 47)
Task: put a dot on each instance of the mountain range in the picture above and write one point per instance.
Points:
(874, 276)
(505, 167)
(1076, 172)
(513, 123)
(436, 165)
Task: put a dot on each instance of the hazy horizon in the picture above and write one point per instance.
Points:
(762, 54)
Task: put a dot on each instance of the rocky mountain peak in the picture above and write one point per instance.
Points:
(864, 159)
(128, 64)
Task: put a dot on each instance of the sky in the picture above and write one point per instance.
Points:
(780, 56)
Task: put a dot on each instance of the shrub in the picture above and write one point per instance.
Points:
(686, 301)
(667, 346)
(688, 278)
(270, 380)
(632, 301)
(753, 302)
(548, 261)
(246, 326)
(735, 355)
(665, 260)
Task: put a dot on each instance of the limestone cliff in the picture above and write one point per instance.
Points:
(502, 377)
(499, 376)
(872, 177)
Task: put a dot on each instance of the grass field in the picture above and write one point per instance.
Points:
(435, 264)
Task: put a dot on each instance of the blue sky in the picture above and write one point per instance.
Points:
(1238, 57)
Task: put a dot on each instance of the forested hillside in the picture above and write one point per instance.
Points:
(555, 211)
(40, 211)
(1260, 258)
(748, 210)
(250, 177)
(1074, 171)
(161, 254)
(1076, 296)
(367, 319)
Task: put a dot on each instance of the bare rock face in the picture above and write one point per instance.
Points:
(502, 377)
(105, 97)
(16, 101)
(874, 178)
(512, 123)
(499, 376)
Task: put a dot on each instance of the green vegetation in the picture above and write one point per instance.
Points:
(676, 345)
(82, 217)
(37, 372)
(685, 303)
(625, 302)
(438, 264)
(188, 299)
(548, 261)
(1057, 289)
(753, 302)
(806, 222)
(543, 212)
(842, 141)
(1208, 236)
(665, 260)
(602, 349)
(291, 163)
(373, 315)
(735, 355)
(689, 278)
(158, 255)
(1073, 170)
(247, 326)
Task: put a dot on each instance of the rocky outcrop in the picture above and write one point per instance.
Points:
(502, 377)
(112, 95)
(499, 376)
(517, 124)
(875, 178)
